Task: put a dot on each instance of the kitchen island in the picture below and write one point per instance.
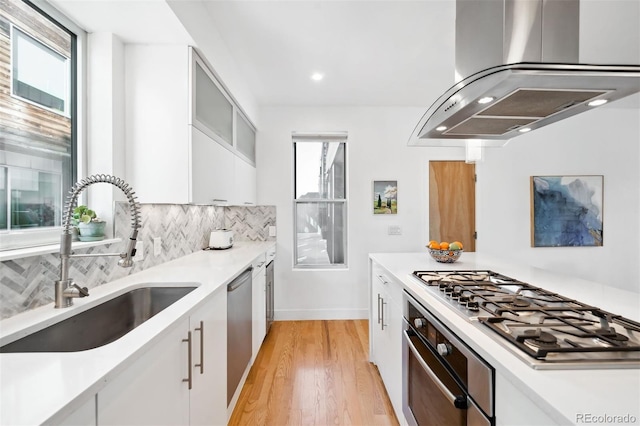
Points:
(47, 388)
(524, 395)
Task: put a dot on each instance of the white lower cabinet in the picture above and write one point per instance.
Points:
(166, 386)
(85, 415)
(258, 303)
(515, 408)
(209, 365)
(385, 322)
(151, 391)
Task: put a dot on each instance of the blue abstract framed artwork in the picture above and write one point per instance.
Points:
(566, 211)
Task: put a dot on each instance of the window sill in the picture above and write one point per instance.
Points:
(51, 248)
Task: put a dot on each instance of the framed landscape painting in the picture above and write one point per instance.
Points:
(566, 211)
(385, 197)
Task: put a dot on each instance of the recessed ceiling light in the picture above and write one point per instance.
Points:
(441, 128)
(316, 76)
(525, 130)
(597, 102)
(486, 100)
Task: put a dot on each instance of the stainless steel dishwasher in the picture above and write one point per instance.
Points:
(238, 330)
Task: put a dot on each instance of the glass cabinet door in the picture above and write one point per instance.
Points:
(212, 109)
(245, 138)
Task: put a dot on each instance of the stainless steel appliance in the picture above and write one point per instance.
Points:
(517, 70)
(545, 329)
(269, 295)
(444, 381)
(239, 326)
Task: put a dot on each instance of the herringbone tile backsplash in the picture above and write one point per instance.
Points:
(27, 283)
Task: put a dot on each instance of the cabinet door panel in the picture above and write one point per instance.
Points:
(212, 109)
(209, 392)
(259, 318)
(151, 390)
(212, 168)
(84, 415)
(386, 333)
(245, 138)
(245, 182)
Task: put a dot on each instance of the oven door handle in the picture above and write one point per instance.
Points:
(459, 401)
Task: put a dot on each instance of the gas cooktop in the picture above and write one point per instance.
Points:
(546, 329)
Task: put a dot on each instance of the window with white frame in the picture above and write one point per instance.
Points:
(38, 127)
(320, 203)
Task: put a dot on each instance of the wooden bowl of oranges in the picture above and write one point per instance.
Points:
(445, 252)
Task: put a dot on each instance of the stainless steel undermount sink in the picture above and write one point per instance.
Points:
(101, 324)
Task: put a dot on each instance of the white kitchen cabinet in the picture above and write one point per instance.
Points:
(258, 303)
(157, 125)
(187, 141)
(514, 408)
(85, 415)
(213, 167)
(208, 397)
(167, 387)
(244, 183)
(385, 323)
(151, 391)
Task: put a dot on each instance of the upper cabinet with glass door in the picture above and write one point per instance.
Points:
(212, 110)
(245, 138)
(215, 113)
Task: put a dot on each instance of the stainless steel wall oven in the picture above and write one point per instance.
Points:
(444, 381)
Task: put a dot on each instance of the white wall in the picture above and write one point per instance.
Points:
(603, 142)
(600, 142)
(376, 150)
(105, 120)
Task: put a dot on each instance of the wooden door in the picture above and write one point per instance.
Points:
(452, 202)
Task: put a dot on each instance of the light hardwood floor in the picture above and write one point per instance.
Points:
(314, 373)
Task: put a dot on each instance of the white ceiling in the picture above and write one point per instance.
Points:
(392, 53)
(374, 53)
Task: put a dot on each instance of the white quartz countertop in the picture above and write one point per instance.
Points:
(563, 394)
(38, 388)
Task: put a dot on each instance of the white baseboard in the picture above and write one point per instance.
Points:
(320, 314)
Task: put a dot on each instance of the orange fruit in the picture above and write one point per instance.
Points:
(433, 244)
(444, 245)
(459, 243)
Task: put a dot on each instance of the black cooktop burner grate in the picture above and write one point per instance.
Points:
(543, 324)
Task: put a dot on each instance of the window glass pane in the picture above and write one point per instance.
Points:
(3, 198)
(39, 73)
(37, 152)
(245, 138)
(35, 199)
(320, 233)
(213, 110)
(320, 170)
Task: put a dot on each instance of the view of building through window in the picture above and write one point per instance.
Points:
(320, 201)
(37, 139)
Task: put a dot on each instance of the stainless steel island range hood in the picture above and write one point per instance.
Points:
(520, 62)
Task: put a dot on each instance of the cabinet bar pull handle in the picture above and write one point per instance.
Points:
(189, 378)
(382, 322)
(379, 298)
(201, 364)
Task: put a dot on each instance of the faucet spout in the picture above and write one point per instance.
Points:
(65, 288)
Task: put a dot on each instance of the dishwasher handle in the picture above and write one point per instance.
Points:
(242, 278)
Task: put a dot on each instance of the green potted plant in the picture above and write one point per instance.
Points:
(90, 227)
